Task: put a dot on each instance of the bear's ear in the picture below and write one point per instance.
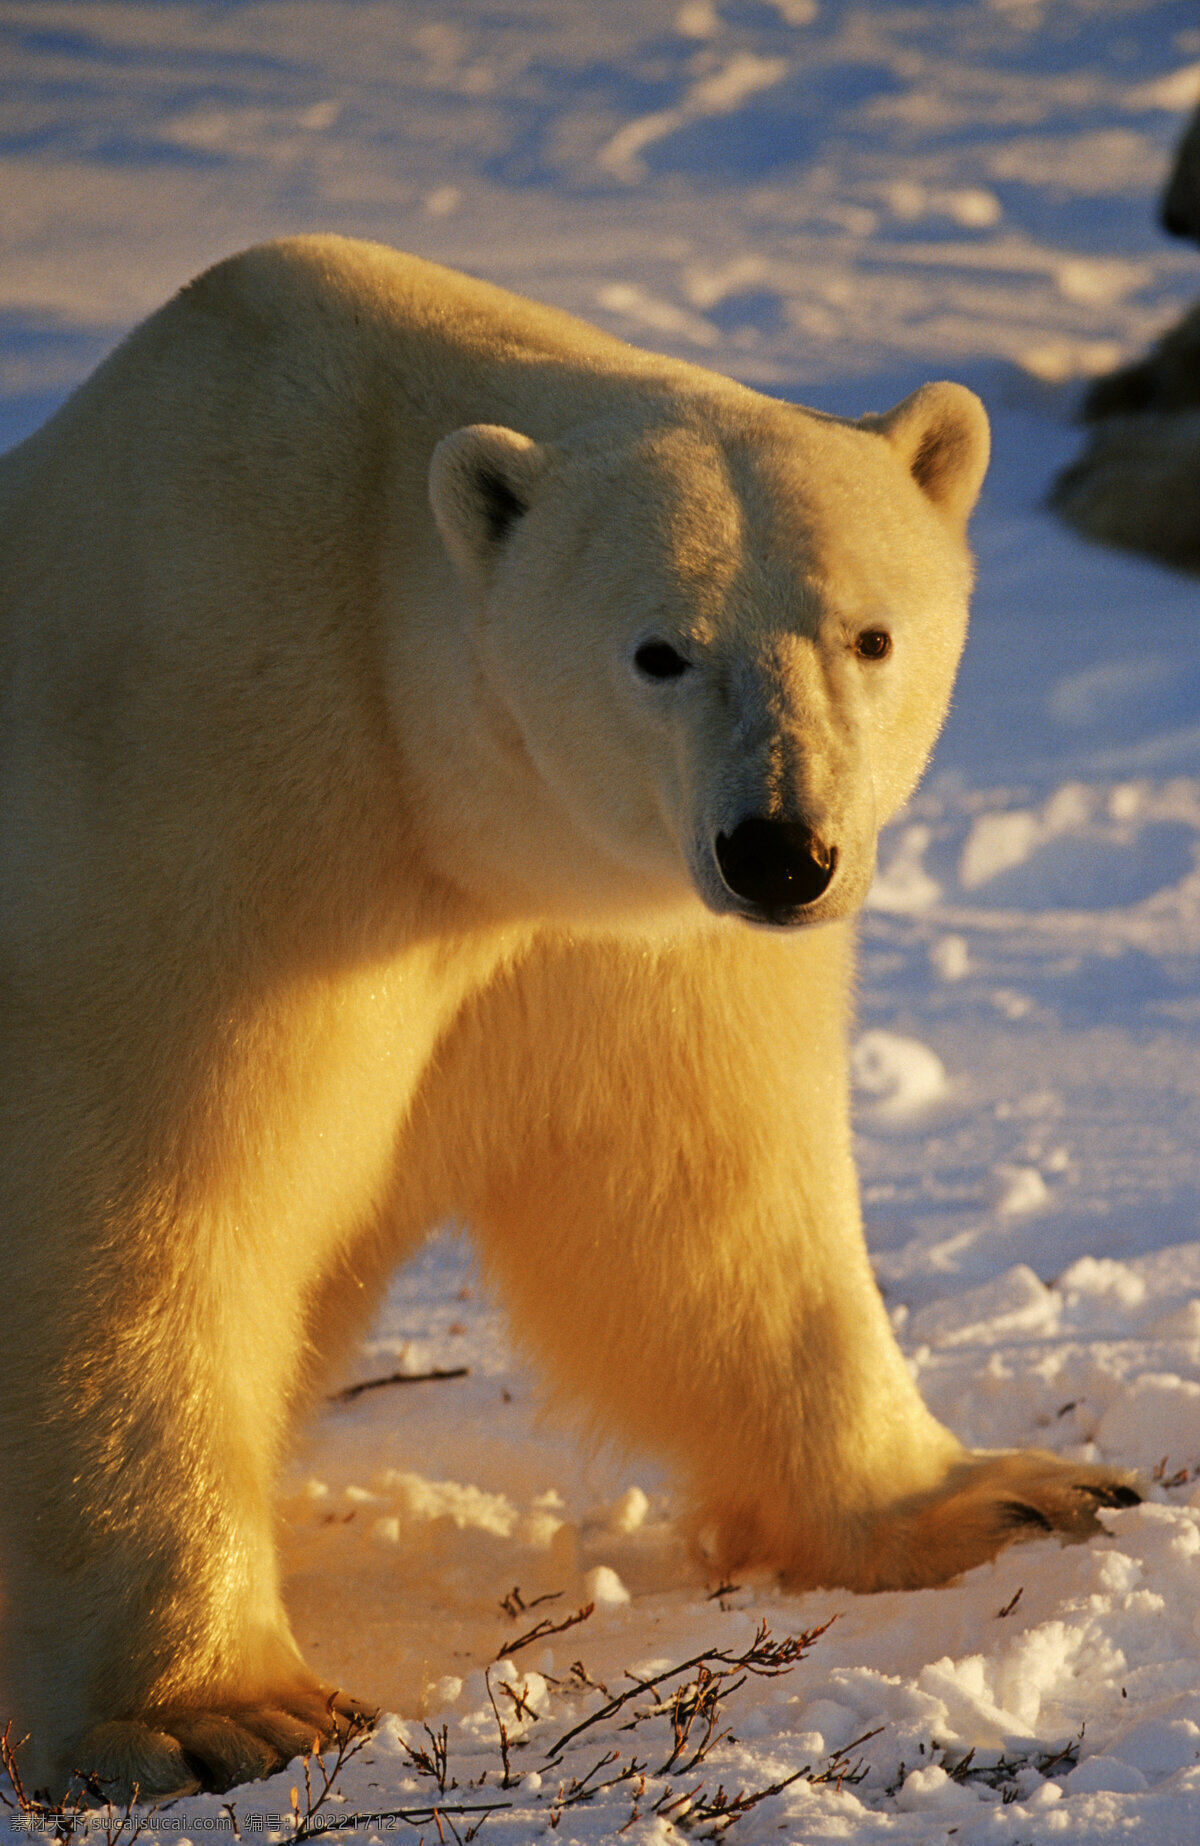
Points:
(481, 482)
(941, 435)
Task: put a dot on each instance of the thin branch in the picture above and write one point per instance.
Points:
(723, 1810)
(764, 1657)
(514, 1603)
(506, 1781)
(544, 1628)
(349, 1392)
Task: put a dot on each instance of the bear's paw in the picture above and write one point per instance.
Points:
(187, 1751)
(990, 1500)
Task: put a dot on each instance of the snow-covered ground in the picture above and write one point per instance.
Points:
(832, 201)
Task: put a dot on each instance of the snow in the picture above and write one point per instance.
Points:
(896, 1077)
(832, 201)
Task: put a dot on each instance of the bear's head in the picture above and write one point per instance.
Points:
(719, 633)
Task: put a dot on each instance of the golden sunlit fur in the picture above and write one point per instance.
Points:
(357, 876)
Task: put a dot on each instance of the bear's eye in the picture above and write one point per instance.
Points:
(659, 660)
(873, 644)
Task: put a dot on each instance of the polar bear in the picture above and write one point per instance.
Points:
(443, 752)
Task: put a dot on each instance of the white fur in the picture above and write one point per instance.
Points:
(357, 876)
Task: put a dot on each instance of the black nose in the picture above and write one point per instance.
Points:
(776, 865)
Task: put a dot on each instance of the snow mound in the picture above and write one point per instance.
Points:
(899, 1077)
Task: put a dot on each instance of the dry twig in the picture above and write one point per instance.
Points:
(434, 1761)
(349, 1392)
(545, 1628)
(351, 1740)
(765, 1658)
(62, 1820)
(514, 1603)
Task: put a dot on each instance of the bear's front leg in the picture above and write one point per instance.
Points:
(186, 1749)
(142, 1405)
(669, 1202)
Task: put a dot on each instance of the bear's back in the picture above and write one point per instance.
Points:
(304, 332)
(295, 384)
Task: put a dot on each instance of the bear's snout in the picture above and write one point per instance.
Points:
(779, 866)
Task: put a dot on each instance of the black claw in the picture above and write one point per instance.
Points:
(203, 1771)
(1105, 1495)
(1017, 1513)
